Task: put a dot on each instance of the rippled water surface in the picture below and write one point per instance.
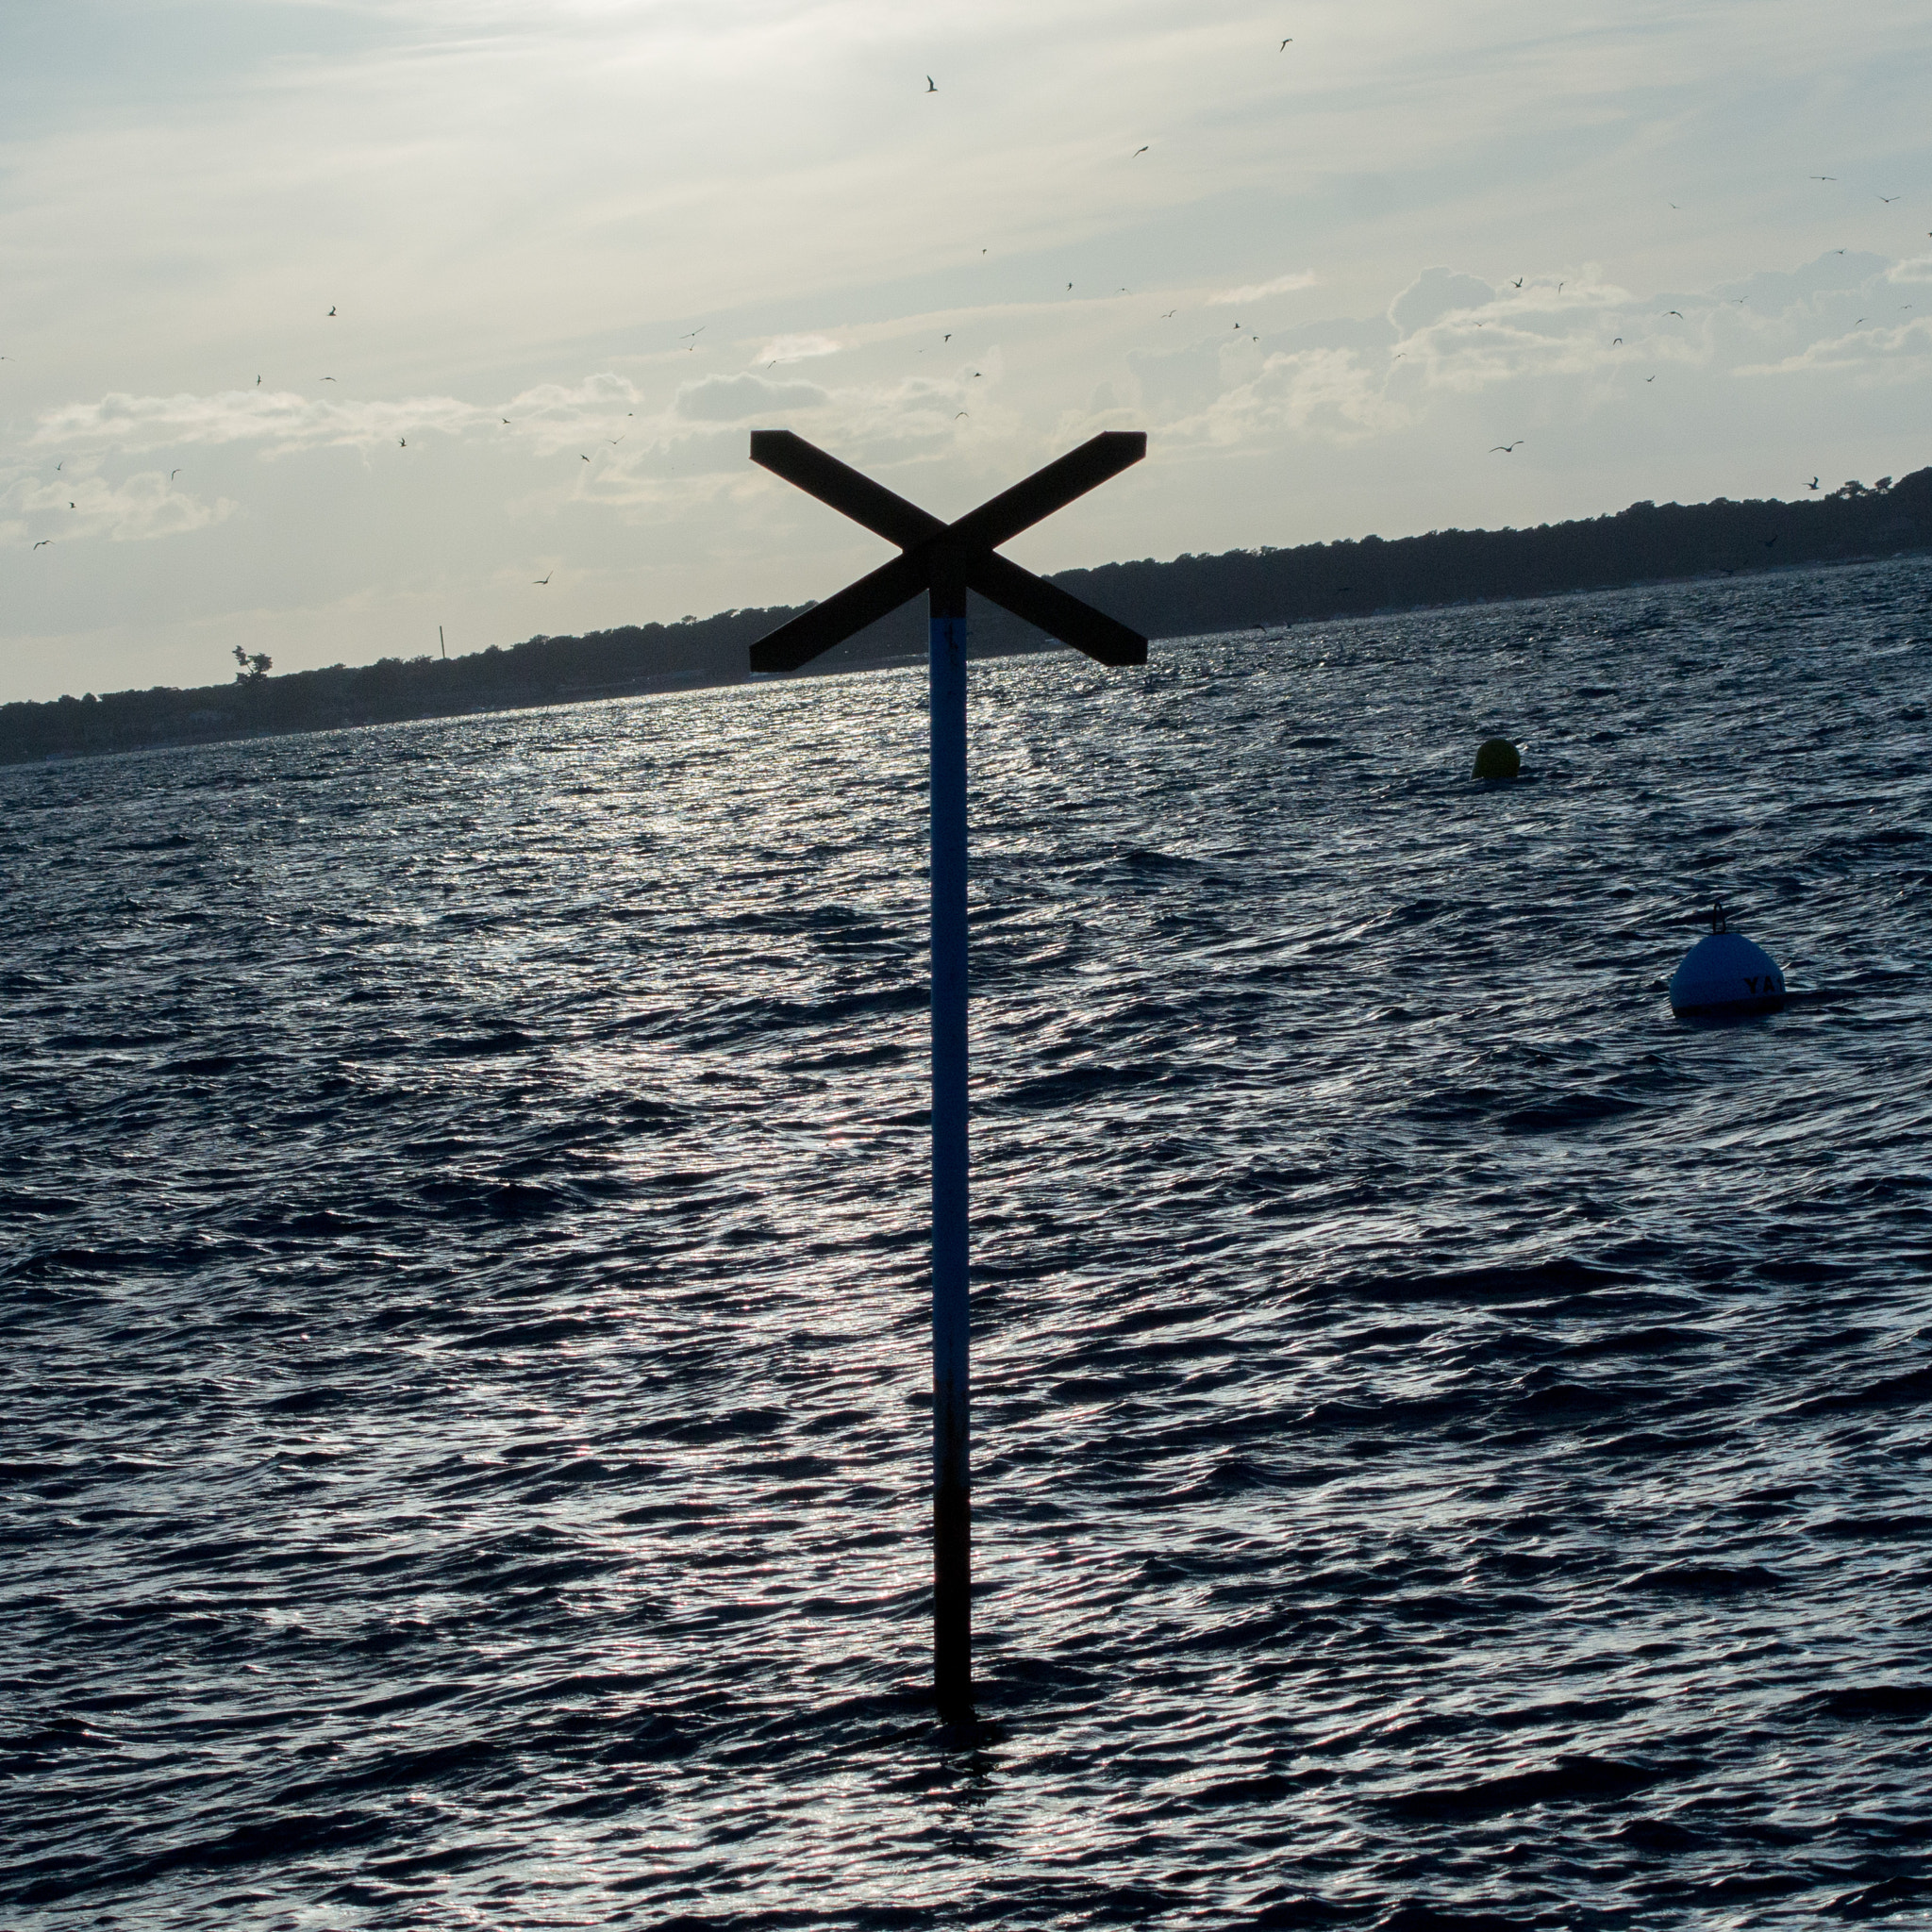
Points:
(1452, 1440)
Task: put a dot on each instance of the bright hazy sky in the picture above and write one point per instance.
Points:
(629, 231)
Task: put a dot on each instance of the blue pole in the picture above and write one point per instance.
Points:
(952, 1538)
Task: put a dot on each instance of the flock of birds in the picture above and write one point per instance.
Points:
(690, 343)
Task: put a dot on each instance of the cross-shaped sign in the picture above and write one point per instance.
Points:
(946, 560)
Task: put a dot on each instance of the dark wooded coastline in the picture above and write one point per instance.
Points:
(1240, 590)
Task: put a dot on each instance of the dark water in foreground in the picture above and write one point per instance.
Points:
(1455, 1445)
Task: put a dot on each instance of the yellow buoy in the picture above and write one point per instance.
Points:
(1497, 758)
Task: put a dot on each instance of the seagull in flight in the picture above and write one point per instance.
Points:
(1288, 43)
(931, 86)
(1824, 177)
(402, 442)
(173, 473)
(328, 379)
(1649, 378)
(543, 580)
(1813, 484)
(1888, 199)
(1137, 154)
(1507, 448)
(962, 412)
(1677, 312)
(1615, 341)
(1517, 283)
(331, 309)
(1169, 315)
(45, 541)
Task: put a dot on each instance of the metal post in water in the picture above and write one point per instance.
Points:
(952, 1497)
(943, 559)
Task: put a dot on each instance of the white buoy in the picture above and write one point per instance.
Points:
(1725, 976)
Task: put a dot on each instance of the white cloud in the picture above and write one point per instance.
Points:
(135, 509)
(796, 349)
(1256, 291)
(1436, 292)
(739, 398)
(280, 419)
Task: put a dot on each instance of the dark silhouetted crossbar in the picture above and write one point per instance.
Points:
(970, 543)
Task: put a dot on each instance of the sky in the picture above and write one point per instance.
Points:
(326, 323)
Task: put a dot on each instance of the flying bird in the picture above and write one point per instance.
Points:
(43, 543)
(976, 375)
(331, 309)
(173, 473)
(962, 412)
(328, 379)
(1649, 378)
(504, 420)
(1517, 283)
(543, 580)
(583, 460)
(1615, 339)
(1813, 484)
(614, 440)
(1888, 199)
(931, 86)
(1824, 177)
(1169, 315)
(402, 442)
(947, 337)
(258, 382)
(1288, 43)
(1507, 448)
(1859, 324)
(1137, 152)
(1677, 312)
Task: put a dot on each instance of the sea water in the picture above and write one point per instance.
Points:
(1450, 1441)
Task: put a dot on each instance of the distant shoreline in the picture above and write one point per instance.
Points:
(1188, 597)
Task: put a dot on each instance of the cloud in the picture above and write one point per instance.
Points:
(553, 415)
(280, 419)
(1436, 292)
(1281, 285)
(735, 398)
(136, 509)
(1894, 352)
(796, 349)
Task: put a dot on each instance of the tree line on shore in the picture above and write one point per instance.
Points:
(1240, 590)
